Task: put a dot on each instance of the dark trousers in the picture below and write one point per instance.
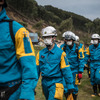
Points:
(6, 92)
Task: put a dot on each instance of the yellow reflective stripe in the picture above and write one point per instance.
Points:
(83, 48)
(87, 51)
(79, 56)
(19, 44)
(37, 59)
(62, 48)
(63, 63)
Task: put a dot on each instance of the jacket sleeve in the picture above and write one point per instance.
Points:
(38, 65)
(26, 57)
(81, 59)
(66, 71)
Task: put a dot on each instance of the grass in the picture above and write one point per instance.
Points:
(85, 89)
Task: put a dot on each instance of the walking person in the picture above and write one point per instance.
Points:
(75, 56)
(53, 65)
(93, 53)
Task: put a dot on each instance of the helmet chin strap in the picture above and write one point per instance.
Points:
(50, 46)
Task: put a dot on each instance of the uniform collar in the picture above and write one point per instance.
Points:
(52, 50)
(97, 46)
(3, 14)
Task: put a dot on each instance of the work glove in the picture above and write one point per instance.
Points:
(79, 75)
(70, 91)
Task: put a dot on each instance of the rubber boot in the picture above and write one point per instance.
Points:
(75, 96)
(99, 89)
(66, 95)
(94, 90)
(79, 82)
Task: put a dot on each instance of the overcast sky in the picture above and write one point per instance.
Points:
(87, 8)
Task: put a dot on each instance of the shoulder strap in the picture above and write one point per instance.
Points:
(11, 29)
(64, 48)
(76, 49)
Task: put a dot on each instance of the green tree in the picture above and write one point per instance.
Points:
(90, 27)
(27, 7)
(97, 25)
(66, 25)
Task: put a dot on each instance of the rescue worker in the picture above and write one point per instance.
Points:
(87, 66)
(82, 46)
(53, 65)
(93, 53)
(77, 39)
(76, 61)
(18, 72)
(78, 43)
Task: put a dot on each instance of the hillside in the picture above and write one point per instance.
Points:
(34, 17)
(19, 17)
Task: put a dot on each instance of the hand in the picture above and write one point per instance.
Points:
(85, 66)
(79, 75)
(70, 91)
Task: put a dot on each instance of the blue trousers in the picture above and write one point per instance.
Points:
(50, 89)
(95, 75)
(74, 83)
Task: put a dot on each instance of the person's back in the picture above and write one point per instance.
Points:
(9, 65)
(17, 61)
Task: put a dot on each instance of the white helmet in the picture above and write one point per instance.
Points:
(77, 38)
(63, 35)
(95, 36)
(69, 35)
(49, 31)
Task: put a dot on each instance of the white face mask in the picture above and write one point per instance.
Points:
(95, 41)
(69, 43)
(48, 41)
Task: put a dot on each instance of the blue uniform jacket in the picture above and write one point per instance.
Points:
(93, 54)
(54, 64)
(76, 60)
(17, 61)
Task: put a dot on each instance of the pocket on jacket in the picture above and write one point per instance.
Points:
(59, 91)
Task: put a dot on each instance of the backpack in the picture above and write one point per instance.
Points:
(10, 28)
